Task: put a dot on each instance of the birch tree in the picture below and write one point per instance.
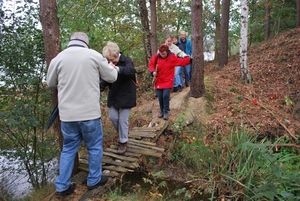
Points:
(245, 74)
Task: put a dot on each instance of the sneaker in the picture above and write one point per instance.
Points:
(160, 115)
(69, 191)
(166, 116)
(179, 88)
(102, 182)
(122, 148)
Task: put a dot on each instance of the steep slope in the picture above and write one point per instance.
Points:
(270, 104)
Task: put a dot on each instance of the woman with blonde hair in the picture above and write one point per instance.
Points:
(122, 93)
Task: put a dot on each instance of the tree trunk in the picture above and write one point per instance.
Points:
(298, 13)
(197, 82)
(245, 74)
(51, 36)
(52, 44)
(146, 31)
(153, 37)
(223, 57)
(218, 30)
(268, 13)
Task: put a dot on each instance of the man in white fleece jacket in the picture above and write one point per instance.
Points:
(76, 73)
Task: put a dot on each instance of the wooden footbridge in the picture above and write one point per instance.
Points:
(142, 142)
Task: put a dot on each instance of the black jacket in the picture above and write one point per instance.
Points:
(122, 93)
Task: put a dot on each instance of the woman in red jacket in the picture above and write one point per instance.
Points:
(161, 67)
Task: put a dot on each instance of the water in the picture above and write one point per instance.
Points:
(14, 178)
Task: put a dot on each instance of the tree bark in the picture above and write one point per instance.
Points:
(153, 36)
(223, 57)
(298, 13)
(146, 32)
(51, 36)
(268, 13)
(197, 83)
(218, 30)
(245, 74)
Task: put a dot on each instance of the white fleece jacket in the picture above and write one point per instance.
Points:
(76, 73)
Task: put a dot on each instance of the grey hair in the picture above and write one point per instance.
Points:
(81, 36)
(111, 49)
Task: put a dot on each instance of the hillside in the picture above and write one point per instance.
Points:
(274, 66)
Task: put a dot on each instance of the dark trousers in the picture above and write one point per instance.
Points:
(164, 99)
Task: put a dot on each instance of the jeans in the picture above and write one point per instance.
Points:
(119, 118)
(164, 99)
(178, 76)
(74, 132)
(187, 74)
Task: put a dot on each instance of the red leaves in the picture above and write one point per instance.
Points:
(254, 101)
(272, 96)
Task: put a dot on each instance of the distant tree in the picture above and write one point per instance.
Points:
(197, 82)
(146, 31)
(298, 13)
(223, 57)
(52, 43)
(267, 23)
(153, 23)
(217, 30)
(245, 74)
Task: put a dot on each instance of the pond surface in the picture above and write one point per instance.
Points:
(14, 178)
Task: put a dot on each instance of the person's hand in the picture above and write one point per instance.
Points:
(154, 73)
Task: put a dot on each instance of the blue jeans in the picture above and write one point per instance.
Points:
(73, 132)
(164, 99)
(187, 74)
(178, 76)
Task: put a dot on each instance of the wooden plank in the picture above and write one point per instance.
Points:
(137, 135)
(123, 164)
(117, 169)
(144, 152)
(130, 143)
(143, 142)
(149, 129)
(113, 149)
(121, 157)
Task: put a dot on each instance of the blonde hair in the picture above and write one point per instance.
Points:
(111, 49)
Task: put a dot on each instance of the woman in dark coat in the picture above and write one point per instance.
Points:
(122, 93)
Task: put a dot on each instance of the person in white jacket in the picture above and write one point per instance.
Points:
(76, 72)
(178, 72)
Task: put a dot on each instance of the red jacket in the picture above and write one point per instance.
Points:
(165, 69)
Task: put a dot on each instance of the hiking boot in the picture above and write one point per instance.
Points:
(102, 182)
(69, 191)
(180, 88)
(160, 115)
(166, 116)
(174, 89)
(122, 148)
